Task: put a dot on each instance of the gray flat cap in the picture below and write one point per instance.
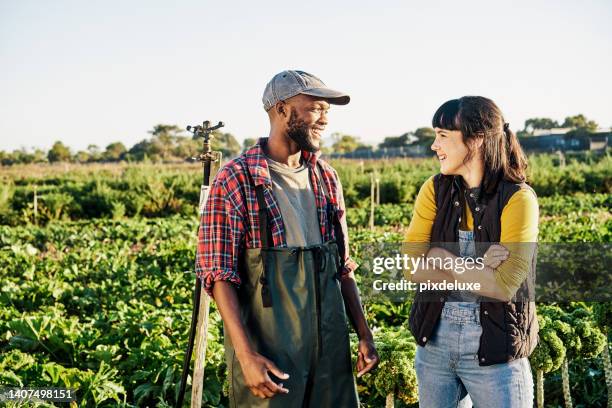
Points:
(289, 83)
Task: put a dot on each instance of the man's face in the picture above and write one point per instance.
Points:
(307, 121)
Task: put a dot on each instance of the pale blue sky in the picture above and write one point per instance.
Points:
(96, 72)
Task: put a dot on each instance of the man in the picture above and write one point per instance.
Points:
(273, 252)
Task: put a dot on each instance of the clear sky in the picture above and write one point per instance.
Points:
(101, 71)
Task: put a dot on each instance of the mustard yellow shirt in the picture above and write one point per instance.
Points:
(519, 223)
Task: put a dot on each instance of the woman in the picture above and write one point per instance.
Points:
(474, 344)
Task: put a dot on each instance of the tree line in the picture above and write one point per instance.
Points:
(425, 136)
(168, 143)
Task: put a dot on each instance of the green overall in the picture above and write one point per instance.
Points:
(293, 312)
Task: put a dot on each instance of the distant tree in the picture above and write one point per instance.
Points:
(82, 157)
(168, 143)
(140, 151)
(397, 141)
(5, 158)
(425, 136)
(186, 147)
(345, 143)
(8, 158)
(95, 154)
(226, 143)
(580, 122)
(533, 124)
(540, 123)
(59, 153)
(26, 156)
(165, 132)
(164, 140)
(40, 156)
(114, 152)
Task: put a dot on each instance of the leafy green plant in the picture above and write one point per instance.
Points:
(395, 377)
(99, 296)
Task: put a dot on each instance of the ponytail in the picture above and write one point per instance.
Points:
(516, 161)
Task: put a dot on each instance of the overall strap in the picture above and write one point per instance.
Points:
(262, 214)
(264, 225)
(333, 223)
(266, 238)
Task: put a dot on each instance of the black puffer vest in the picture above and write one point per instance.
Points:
(509, 329)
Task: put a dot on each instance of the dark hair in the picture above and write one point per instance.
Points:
(479, 117)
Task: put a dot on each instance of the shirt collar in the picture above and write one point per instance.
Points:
(258, 165)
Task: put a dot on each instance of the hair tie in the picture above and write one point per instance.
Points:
(506, 127)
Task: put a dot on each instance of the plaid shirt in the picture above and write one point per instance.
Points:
(230, 222)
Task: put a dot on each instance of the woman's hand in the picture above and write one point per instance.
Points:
(495, 255)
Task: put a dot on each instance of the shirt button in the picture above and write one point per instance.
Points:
(486, 312)
(456, 203)
(482, 359)
(441, 299)
(477, 208)
(424, 339)
(480, 227)
(472, 195)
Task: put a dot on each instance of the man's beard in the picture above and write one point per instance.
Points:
(298, 132)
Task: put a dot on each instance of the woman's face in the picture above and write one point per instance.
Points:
(451, 151)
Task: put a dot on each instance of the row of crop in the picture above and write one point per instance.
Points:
(132, 195)
(104, 307)
(593, 225)
(571, 335)
(400, 179)
(156, 199)
(152, 192)
(571, 332)
(60, 174)
(551, 206)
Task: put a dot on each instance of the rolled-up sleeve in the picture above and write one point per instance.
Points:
(519, 234)
(219, 236)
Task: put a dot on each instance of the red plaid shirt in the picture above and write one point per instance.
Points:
(230, 222)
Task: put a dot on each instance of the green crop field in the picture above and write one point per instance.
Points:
(96, 265)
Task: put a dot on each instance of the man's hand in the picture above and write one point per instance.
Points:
(255, 369)
(495, 255)
(367, 357)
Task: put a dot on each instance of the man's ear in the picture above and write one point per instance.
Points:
(281, 109)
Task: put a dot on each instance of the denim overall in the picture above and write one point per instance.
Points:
(447, 367)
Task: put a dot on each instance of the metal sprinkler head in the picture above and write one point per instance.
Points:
(205, 132)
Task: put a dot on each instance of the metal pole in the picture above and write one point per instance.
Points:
(35, 205)
(201, 301)
(372, 200)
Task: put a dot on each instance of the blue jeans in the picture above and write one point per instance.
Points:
(448, 372)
